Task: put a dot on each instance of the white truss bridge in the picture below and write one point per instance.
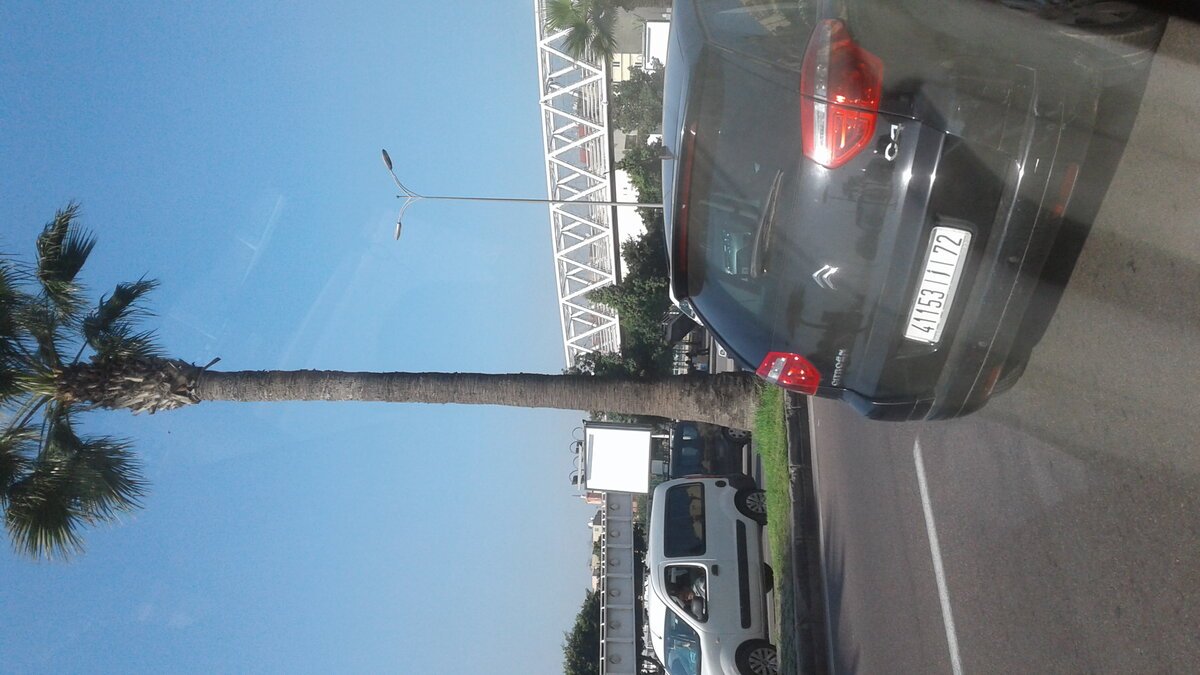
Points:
(574, 111)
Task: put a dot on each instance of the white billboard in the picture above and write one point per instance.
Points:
(616, 457)
(654, 44)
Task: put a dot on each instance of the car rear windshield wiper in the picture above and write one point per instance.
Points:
(762, 233)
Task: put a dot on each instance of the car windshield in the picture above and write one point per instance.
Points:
(682, 646)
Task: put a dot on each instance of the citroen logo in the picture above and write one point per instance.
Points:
(824, 277)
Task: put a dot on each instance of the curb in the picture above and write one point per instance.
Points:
(809, 598)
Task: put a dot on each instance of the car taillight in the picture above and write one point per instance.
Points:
(842, 83)
(790, 371)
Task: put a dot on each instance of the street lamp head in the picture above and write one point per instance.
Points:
(387, 160)
(397, 229)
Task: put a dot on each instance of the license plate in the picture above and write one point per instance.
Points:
(943, 266)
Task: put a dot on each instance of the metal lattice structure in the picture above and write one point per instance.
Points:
(573, 108)
(618, 617)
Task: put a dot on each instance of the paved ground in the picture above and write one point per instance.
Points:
(1058, 530)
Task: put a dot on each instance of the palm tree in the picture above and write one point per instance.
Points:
(590, 26)
(54, 481)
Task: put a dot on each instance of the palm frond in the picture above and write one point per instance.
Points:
(59, 441)
(36, 384)
(11, 298)
(103, 475)
(41, 520)
(17, 445)
(604, 33)
(116, 311)
(590, 27)
(62, 251)
(11, 387)
(43, 516)
(122, 341)
(108, 478)
(12, 334)
(577, 42)
(563, 14)
(45, 328)
(73, 482)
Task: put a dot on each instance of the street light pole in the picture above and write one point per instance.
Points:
(410, 197)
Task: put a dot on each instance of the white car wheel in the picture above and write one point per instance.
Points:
(758, 657)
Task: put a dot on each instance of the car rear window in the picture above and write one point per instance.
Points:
(774, 30)
(734, 166)
(683, 532)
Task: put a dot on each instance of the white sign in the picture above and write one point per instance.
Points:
(616, 457)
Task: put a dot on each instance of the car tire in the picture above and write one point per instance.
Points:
(736, 436)
(752, 503)
(1008, 378)
(757, 657)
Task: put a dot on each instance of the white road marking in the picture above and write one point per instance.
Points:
(936, 552)
(821, 538)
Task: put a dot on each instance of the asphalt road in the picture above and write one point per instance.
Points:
(1058, 529)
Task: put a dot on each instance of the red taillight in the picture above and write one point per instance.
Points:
(843, 82)
(790, 371)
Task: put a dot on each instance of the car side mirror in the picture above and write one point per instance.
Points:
(699, 610)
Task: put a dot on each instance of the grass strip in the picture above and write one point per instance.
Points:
(770, 441)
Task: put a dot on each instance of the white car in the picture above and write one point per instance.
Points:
(706, 580)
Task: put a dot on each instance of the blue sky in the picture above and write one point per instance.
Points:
(231, 150)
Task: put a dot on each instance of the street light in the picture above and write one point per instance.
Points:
(411, 198)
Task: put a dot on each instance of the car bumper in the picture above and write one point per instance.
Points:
(988, 325)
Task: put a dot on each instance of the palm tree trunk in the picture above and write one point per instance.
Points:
(728, 399)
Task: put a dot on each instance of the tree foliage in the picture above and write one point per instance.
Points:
(53, 480)
(643, 163)
(646, 256)
(590, 26)
(641, 302)
(637, 103)
(581, 650)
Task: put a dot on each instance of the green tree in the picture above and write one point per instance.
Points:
(58, 360)
(641, 300)
(646, 256)
(637, 103)
(643, 163)
(641, 303)
(581, 651)
(590, 26)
